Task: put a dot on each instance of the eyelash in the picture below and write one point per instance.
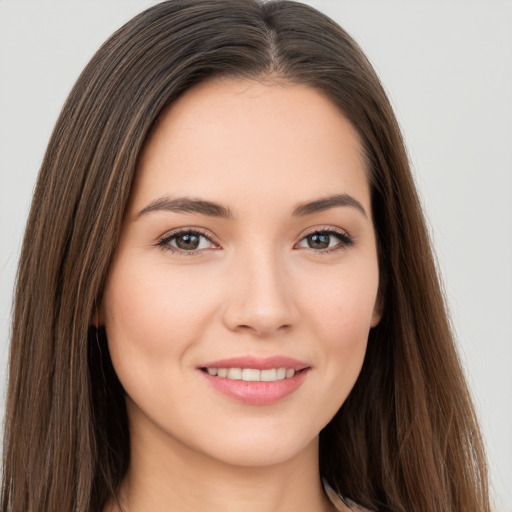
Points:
(345, 240)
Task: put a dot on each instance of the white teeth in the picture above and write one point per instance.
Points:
(235, 373)
(281, 373)
(268, 375)
(252, 374)
(290, 372)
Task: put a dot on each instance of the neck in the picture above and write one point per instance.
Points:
(166, 475)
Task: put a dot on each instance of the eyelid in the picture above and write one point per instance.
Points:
(325, 229)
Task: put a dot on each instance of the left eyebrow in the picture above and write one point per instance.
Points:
(321, 205)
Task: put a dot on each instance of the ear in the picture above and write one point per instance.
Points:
(378, 309)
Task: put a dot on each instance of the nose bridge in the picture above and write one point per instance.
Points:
(259, 298)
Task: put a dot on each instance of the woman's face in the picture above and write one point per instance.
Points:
(244, 285)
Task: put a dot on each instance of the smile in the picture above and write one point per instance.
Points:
(252, 374)
(255, 381)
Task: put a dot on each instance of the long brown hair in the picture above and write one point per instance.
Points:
(406, 439)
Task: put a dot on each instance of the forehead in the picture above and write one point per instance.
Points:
(238, 139)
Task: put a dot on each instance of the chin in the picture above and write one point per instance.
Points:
(259, 450)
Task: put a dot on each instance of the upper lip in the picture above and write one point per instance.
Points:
(258, 363)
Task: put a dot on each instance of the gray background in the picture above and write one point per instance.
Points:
(447, 66)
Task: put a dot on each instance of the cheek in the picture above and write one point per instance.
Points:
(343, 306)
(152, 317)
(340, 318)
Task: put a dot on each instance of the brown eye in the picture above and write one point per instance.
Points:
(318, 241)
(326, 241)
(186, 241)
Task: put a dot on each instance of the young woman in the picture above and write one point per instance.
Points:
(226, 297)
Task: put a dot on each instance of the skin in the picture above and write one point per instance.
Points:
(255, 286)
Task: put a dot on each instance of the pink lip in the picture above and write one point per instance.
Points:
(257, 393)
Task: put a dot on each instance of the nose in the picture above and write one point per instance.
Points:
(260, 296)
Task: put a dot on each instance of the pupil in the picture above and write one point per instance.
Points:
(318, 241)
(187, 242)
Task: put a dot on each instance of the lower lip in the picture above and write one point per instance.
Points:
(257, 393)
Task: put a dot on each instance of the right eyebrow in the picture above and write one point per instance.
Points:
(187, 205)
